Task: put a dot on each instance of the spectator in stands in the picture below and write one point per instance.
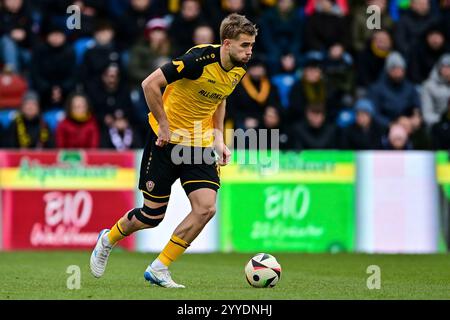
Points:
(416, 130)
(314, 132)
(338, 6)
(55, 12)
(398, 7)
(216, 11)
(12, 88)
(436, 91)
(203, 34)
(372, 60)
(339, 75)
(365, 133)
(281, 37)
(426, 53)
(252, 96)
(16, 37)
(91, 11)
(326, 26)
(360, 32)
(310, 89)
(272, 121)
(265, 4)
(440, 131)
(393, 95)
(412, 26)
(53, 68)
(120, 135)
(102, 54)
(29, 130)
(79, 129)
(397, 138)
(181, 30)
(146, 56)
(319, 40)
(131, 25)
(109, 94)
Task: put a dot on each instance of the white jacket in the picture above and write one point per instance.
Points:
(435, 94)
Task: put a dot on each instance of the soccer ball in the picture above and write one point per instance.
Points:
(263, 271)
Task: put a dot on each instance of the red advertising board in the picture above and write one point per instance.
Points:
(61, 200)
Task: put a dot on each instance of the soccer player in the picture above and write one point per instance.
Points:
(186, 142)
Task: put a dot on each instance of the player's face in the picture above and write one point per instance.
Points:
(241, 49)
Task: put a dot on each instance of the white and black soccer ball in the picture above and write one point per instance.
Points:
(263, 271)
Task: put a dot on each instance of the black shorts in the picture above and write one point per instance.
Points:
(162, 166)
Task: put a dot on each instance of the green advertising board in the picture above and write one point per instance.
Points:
(302, 202)
(443, 172)
(443, 178)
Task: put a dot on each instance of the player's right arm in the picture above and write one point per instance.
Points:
(152, 91)
(186, 66)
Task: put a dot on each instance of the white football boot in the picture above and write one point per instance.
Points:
(99, 256)
(161, 278)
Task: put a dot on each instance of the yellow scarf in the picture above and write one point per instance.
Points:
(377, 52)
(260, 95)
(174, 6)
(23, 136)
(82, 118)
(314, 92)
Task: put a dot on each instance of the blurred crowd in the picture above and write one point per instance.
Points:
(329, 74)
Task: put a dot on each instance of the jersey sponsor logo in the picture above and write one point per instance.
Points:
(211, 81)
(212, 95)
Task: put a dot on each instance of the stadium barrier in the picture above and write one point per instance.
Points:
(153, 240)
(398, 204)
(443, 177)
(314, 201)
(60, 200)
(300, 202)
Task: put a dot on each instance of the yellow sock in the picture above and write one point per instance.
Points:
(116, 234)
(174, 248)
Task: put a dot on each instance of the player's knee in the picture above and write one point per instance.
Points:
(149, 217)
(206, 212)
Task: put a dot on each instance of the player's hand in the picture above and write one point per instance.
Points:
(163, 135)
(224, 154)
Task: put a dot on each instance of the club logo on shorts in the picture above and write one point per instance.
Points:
(150, 185)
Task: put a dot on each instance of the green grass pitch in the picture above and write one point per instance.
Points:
(42, 275)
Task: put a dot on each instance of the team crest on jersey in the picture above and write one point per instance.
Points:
(150, 185)
(234, 82)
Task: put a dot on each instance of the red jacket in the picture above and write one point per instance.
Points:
(12, 89)
(71, 134)
(310, 7)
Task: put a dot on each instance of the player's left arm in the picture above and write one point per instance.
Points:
(219, 144)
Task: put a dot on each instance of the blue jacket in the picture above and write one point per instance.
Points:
(393, 100)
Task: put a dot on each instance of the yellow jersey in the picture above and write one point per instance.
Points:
(197, 84)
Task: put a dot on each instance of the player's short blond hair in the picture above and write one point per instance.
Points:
(234, 25)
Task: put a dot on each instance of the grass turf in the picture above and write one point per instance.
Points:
(42, 275)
